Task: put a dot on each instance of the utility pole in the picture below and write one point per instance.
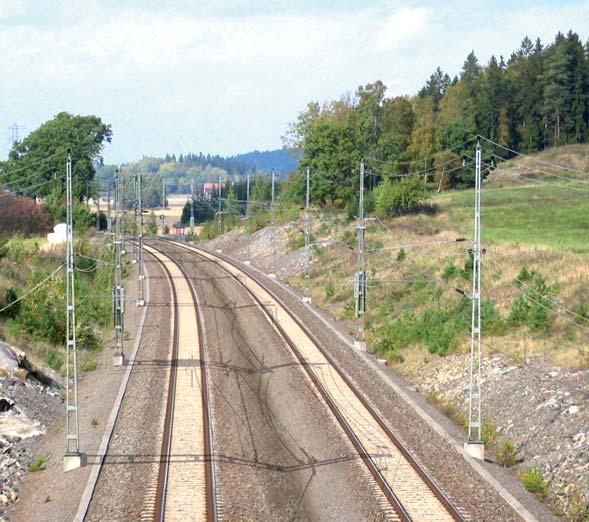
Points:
(72, 458)
(163, 193)
(272, 205)
(108, 215)
(361, 282)
(272, 211)
(219, 209)
(118, 290)
(97, 205)
(247, 215)
(475, 447)
(135, 217)
(192, 209)
(140, 300)
(306, 296)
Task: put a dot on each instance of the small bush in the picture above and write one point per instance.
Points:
(296, 240)
(399, 197)
(401, 255)
(54, 359)
(533, 480)
(532, 306)
(39, 464)
(506, 455)
(450, 271)
(349, 238)
(329, 291)
(489, 432)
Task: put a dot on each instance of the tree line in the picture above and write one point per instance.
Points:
(536, 98)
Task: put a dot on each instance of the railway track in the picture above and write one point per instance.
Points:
(184, 488)
(409, 488)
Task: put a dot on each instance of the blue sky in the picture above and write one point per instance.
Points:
(227, 76)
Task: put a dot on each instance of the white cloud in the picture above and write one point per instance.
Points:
(198, 76)
(402, 25)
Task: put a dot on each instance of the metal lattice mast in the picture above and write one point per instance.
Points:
(247, 212)
(474, 388)
(118, 291)
(72, 458)
(361, 282)
(97, 205)
(108, 207)
(135, 218)
(306, 296)
(219, 208)
(192, 209)
(140, 277)
(272, 204)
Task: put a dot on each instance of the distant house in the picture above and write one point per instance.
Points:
(210, 189)
(178, 229)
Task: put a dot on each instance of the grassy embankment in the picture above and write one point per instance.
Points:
(37, 323)
(534, 270)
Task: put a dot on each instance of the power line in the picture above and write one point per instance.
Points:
(36, 287)
(423, 160)
(555, 165)
(32, 187)
(540, 295)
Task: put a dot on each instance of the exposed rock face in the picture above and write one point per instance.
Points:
(11, 362)
(26, 408)
(542, 411)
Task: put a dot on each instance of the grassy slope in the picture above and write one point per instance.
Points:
(535, 214)
(538, 226)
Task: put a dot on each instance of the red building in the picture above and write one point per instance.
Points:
(210, 189)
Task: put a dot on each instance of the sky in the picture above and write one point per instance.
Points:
(227, 76)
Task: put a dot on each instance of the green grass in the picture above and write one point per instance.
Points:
(543, 215)
(39, 464)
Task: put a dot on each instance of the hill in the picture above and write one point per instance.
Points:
(279, 160)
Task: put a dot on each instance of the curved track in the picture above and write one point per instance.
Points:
(185, 487)
(411, 491)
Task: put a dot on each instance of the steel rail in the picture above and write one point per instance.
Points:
(375, 471)
(161, 489)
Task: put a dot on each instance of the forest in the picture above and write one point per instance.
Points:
(536, 98)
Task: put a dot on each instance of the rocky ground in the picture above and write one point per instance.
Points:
(27, 408)
(541, 411)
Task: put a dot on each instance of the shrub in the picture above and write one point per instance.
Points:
(506, 455)
(349, 238)
(450, 271)
(401, 255)
(54, 359)
(533, 480)
(399, 197)
(532, 306)
(489, 432)
(329, 291)
(39, 464)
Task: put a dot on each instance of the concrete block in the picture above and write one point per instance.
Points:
(306, 299)
(118, 360)
(476, 450)
(71, 461)
(360, 345)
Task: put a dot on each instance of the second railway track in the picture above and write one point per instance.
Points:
(185, 488)
(409, 488)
